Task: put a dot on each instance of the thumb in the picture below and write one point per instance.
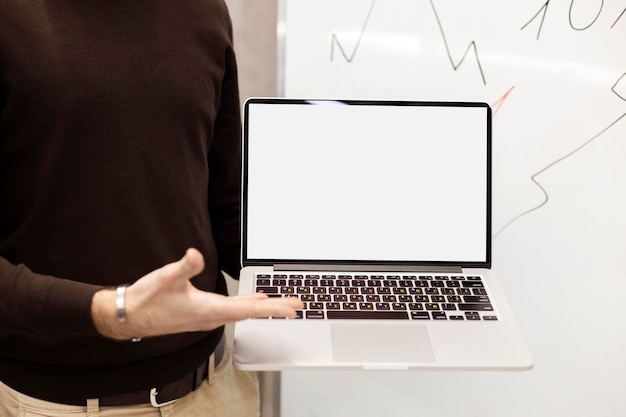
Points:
(190, 265)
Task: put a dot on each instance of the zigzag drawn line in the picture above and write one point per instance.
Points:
(546, 197)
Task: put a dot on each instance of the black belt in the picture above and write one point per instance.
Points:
(160, 396)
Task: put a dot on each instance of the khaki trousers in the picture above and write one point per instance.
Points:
(227, 392)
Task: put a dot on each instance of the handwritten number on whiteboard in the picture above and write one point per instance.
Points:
(544, 8)
(571, 6)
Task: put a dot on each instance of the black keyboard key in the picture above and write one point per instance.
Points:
(420, 315)
(472, 315)
(397, 315)
(267, 290)
(439, 315)
(472, 284)
(287, 290)
(476, 299)
(475, 307)
(315, 314)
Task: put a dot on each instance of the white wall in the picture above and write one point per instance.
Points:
(254, 23)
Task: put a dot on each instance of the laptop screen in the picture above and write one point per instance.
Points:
(366, 182)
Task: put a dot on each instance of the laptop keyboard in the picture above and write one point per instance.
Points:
(383, 296)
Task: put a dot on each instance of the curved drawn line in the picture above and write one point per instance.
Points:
(546, 197)
(543, 18)
(334, 40)
(571, 6)
(472, 45)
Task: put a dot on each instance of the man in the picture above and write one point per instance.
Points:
(119, 208)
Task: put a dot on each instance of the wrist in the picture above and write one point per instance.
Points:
(108, 312)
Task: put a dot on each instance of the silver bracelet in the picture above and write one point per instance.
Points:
(120, 303)
(120, 306)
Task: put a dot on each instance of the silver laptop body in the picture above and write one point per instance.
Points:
(378, 215)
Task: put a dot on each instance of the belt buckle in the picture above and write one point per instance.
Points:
(153, 399)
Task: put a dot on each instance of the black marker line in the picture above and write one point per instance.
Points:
(334, 40)
(615, 85)
(543, 18)
(472, 45)
(618, 18)
(571, 6)
(552, 164)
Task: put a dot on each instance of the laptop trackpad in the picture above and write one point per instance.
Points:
(388, 343)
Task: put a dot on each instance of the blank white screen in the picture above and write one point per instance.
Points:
(366, 182)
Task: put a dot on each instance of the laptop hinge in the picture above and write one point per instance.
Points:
(367, 268)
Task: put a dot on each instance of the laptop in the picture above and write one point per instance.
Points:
(377, 214)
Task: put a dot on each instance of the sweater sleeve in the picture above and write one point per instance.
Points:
(225, 171)
(31, 303)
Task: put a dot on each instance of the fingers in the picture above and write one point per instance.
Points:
(277, 307)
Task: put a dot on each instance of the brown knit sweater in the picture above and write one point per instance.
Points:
(119, 149)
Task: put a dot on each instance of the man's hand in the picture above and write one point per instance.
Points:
(165, 302)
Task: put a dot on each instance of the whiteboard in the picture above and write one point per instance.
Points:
(554, 73)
